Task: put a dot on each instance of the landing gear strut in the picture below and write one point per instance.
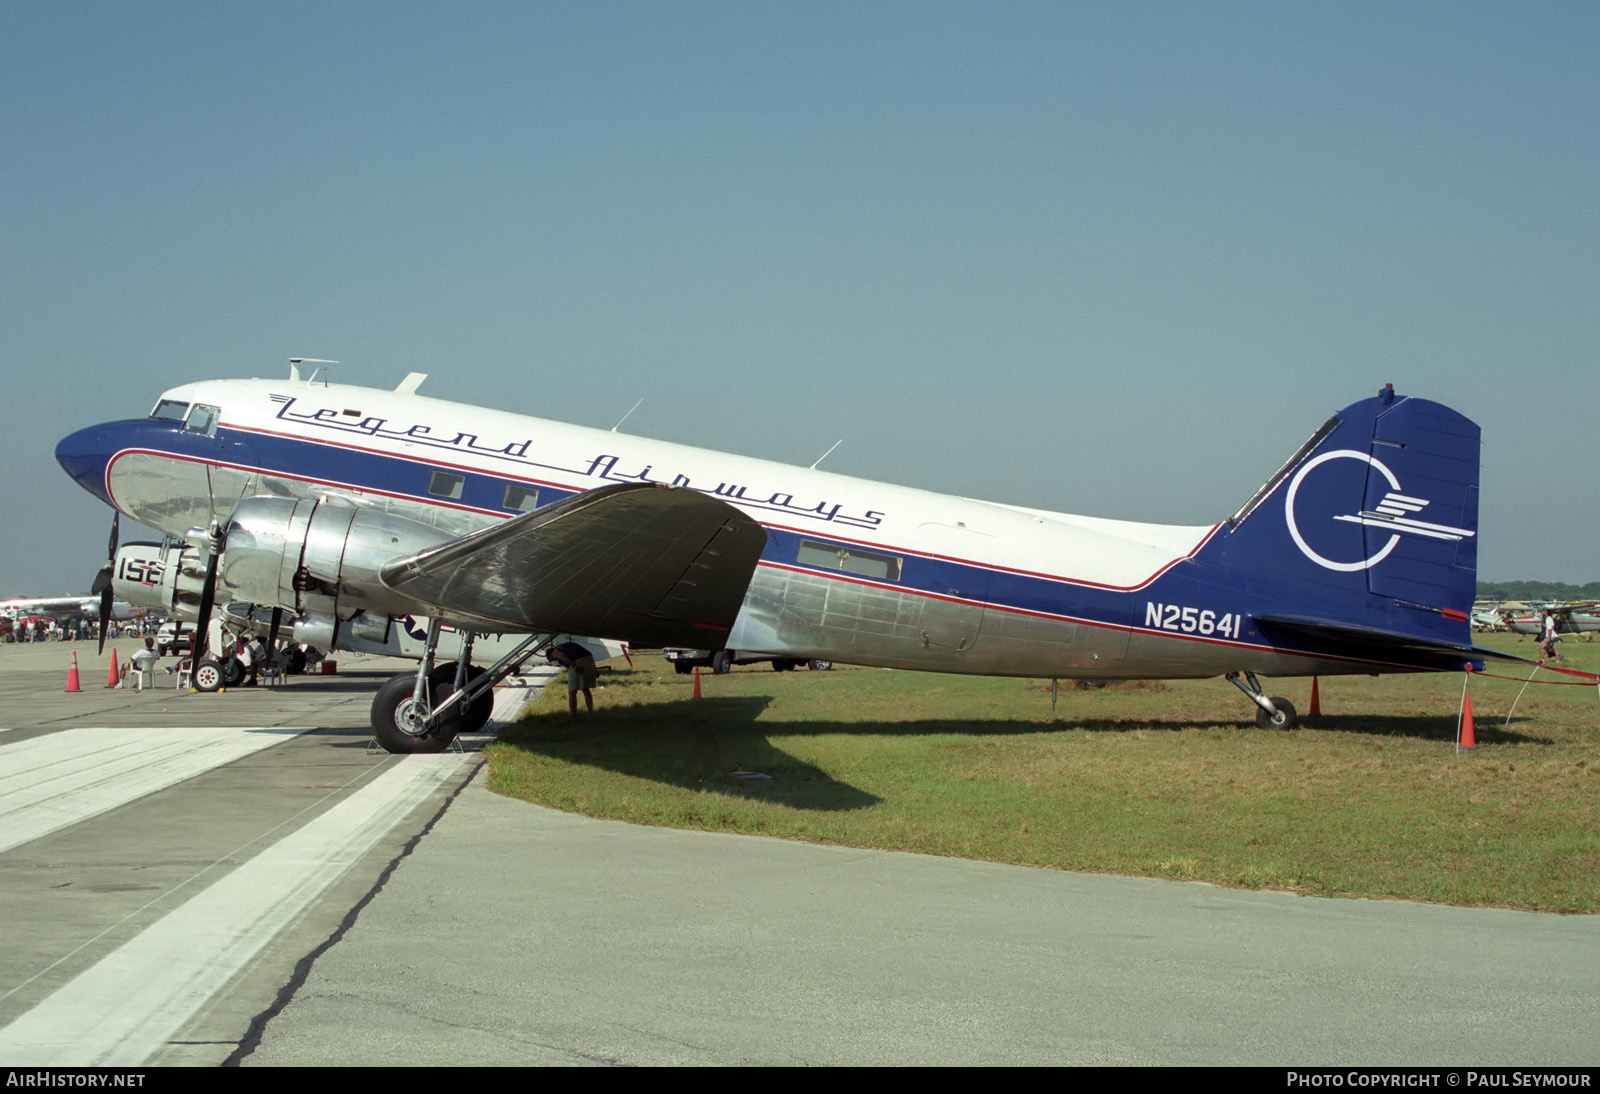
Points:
(1275, 712)
(423, 711)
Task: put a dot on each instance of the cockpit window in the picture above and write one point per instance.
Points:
(202, 419)
(170, 410)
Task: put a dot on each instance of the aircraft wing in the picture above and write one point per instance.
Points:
(637, 562)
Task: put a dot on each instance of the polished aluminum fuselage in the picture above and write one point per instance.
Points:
(965, 586)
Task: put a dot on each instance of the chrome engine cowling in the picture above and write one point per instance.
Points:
(319, 559)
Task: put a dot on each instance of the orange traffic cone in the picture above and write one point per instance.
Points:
(72, 674)
(1316, 705)
(1466, 741)
(697, 681)
(112, 679)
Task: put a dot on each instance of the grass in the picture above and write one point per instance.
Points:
(1157, 780)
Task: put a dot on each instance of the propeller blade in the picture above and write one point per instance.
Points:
(102, 582)
(105, 614)
(208, 592)
(272, 635)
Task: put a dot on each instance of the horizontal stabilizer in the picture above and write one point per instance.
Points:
(638, 562)
(1377, 639)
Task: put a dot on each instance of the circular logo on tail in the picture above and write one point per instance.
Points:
(1294, 528)
(1395, 514)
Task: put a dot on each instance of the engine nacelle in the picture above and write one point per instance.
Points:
(168, 580)
(318, 558)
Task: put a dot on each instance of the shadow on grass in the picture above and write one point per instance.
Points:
(1424, 727)
(720, 745)
(711, 745)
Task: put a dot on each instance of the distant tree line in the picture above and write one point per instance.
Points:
(1537, 590)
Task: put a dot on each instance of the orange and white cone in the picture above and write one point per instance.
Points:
(113, 680)
(697, 681)
(1466, 740)
(72, 674)
(1316, 706)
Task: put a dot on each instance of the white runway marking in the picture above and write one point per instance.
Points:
(120, 1011)
(59, 779)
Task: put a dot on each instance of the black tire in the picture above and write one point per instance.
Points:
(721, 663)
(473, 718)
(819, 665)
(1286, 716)
(393, 724)
(207, 676)
(233, 673)
(682, 668)
(783, 665)
(296, 663)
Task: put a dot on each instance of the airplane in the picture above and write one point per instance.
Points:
(65, 608)
(345, 509)
(1572, 617)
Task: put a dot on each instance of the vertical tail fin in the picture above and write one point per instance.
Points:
(1372, 524)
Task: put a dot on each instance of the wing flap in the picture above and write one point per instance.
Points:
(636, 562)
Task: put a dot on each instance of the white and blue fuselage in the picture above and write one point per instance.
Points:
(864, 572)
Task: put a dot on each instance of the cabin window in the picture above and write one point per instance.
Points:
(521, 499)
(446, 485)
(850, 560)
(202, 419)
(170, 410)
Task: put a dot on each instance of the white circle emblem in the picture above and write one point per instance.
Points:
(1294, 530)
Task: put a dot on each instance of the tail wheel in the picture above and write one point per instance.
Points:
(1286, 718)
(397, 719)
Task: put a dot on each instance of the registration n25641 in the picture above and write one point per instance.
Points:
(1190, 620)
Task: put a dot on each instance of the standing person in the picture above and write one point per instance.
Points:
(1547, 637)
(581, 673)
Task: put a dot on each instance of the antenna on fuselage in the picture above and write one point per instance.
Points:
(828, 453)
(296, 362)
(624, 418)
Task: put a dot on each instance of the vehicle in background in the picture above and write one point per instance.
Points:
(721, 661)
(174, 638)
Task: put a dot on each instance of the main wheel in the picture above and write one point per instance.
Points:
(208, 676)
(721, 662)
(442, 681)
(1286, 717)
(397, 719)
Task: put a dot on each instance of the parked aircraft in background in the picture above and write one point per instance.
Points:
(1571, 617)
(65, 608)
(343, 511)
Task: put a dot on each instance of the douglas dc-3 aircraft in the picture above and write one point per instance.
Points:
(353, 511)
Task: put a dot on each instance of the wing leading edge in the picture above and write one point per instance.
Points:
(637, 562)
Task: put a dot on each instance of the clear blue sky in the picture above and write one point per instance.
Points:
(1112, 258)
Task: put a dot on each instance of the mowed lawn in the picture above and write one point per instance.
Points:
(1168, 780)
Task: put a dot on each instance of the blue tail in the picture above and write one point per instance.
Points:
(1369, 532)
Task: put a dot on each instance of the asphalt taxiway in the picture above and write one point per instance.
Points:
(312, 902)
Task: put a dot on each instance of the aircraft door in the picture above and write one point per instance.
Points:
(956, 584)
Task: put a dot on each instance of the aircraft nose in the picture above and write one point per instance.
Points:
(84, 455)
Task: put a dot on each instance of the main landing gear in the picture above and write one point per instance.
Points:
(425, 710)
(1275, 712)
